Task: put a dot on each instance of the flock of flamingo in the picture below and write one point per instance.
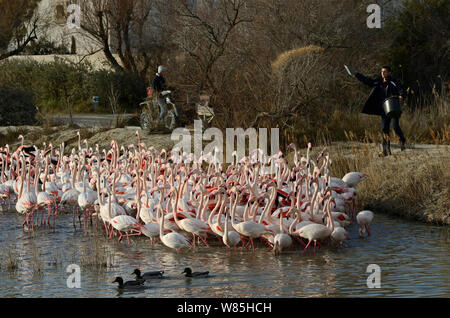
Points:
(138, 190)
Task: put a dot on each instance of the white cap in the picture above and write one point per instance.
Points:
(161, 69)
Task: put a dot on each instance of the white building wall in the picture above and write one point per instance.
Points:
(57, 29)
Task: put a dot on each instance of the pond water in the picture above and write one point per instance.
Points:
(412, 257)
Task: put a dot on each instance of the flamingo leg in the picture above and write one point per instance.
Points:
(306, 246)
(253, 247)
(204, 241)
(25, 221)
(300, 240)
(86, 225)
(79, 216)
(245, 242)
(44, 219)
(48, 214)
(32, 217)
(73, 219)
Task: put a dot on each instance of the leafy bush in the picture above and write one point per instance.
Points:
(16, 107)
(61, 85)
(130, 89)
(44, 46)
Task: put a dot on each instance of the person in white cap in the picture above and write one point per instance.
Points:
(159, 85)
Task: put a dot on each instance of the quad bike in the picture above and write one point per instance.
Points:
(150, 115)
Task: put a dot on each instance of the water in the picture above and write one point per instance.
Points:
(413, 258)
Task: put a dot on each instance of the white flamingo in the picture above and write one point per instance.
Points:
(172, 240)
(314, 232)
(364, 218)
(250, 229)
(281, 240)
(230, 238)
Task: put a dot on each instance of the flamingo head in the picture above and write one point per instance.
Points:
(363, 176)
(291, 146)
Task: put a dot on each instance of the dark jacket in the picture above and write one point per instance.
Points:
(380, 91)
(158, 84)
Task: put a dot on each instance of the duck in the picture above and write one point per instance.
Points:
(128, 284)
(188, 273)
(147, 275)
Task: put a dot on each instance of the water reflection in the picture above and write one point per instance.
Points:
(412, 256)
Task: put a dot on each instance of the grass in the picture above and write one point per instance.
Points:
(284, 58)
(96, 257)
(11, 258)
(36, 261)
(429, 123)
(56, 259)
(415, 185)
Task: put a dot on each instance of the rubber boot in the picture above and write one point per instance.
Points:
(386, 148)
(403, 145)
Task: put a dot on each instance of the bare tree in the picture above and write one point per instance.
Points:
(204, 33)
(19, 22)
(124, 27)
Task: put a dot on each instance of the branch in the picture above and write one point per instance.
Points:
(21, 47)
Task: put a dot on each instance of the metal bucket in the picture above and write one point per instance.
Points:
(392, 107)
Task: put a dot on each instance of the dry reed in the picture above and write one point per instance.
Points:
(413, 184)
(11, 258)
(95, 256)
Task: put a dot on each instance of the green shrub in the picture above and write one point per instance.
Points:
(61, 85)
(130, 89)
(16, 107)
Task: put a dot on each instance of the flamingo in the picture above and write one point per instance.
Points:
(27, 200)
(122, 223)
(191, 225)
(281, 240)
(339, 235)
(248, 228)
(172, 240)
(229, 238)
(86, 200)
(364, 218)
(314, 232)
(6, 188)
(186, 193)
(44, 198)
(70, 197)
(351, 179)
(150, 228)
